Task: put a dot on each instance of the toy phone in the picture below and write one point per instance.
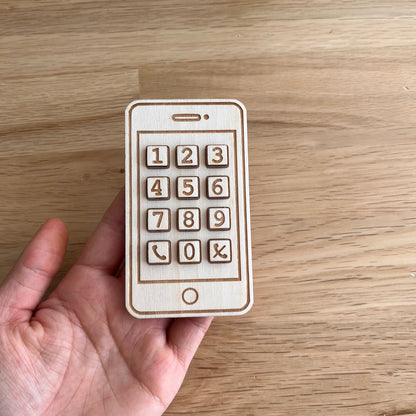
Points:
(188, 247)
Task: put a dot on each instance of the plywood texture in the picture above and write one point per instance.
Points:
(330, 90)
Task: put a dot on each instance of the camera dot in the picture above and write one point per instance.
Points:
(206, 116)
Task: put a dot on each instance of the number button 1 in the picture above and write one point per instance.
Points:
(157, 156)
(187, 156)
(158, 219)
(217, 155)
(219, 219)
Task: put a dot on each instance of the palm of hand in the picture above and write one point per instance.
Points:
(81, 352)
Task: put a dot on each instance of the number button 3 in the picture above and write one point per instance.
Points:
(158, 219)
(219, 219)
(187, 156)
(217, 155)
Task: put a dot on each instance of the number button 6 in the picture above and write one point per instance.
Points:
(218, 187)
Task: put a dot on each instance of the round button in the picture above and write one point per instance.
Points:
(190, 296)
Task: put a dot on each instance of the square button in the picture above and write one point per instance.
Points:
(217, 155)
(158, 187)
(189, 251)
(158, 252)
(187, 156)
(219, 219)
(189, 219)
(187, 187)
(218, 187)
(219, 251)
(157, 156)
(158, 219)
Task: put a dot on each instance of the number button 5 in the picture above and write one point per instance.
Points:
(219, 219)
(217, 155)
(218, 187)
(187, 187)
(158, 219)
(187, 156)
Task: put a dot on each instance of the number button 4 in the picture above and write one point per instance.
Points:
(157, 157)
(187, 156)
(219, 219)
(189, 251)
(189, 219)
(158, 219)
(158, 187)
(217, 155)
(187, 187)
(218, 187)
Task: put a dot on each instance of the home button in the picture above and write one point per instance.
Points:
(190, 296)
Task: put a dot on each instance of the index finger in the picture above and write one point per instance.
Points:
(105, 248)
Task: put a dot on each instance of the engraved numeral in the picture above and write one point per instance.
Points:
(157, 157)
(158, 187)
(217, 155)
(187, 156)
(189, 219)
(218, 187)
(158, 219)
(189, 251)
(187, 187)
(219, 219)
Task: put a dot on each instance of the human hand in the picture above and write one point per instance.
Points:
(79, 352)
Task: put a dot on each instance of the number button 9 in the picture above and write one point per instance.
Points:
(219, 219)
(187, 156)
(217, 155)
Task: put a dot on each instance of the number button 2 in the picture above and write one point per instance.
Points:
(157, 157)
(189, 219)
(187, 156)
(219, 219)
(187, 187)
(158, 187)
(218, 187)
(158, 219)
(217, 155)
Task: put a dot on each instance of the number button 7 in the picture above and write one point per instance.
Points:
(158, 219)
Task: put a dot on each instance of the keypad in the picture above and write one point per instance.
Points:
(197, 211)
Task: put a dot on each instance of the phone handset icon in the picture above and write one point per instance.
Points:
(160, 257)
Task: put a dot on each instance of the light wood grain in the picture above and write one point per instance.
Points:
(330, 92)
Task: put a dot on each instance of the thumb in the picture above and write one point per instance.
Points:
(29, 279)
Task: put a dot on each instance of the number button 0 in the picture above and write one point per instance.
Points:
(158, 219)
(158, 187)
(187, 156)
(187, 187)
(217, 155)
(157, 157)
(189, 219)
(218, 187)
(219, 219)
(189, 251)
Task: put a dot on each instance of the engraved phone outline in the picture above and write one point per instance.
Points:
(160, 257)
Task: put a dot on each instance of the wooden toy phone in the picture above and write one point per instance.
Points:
(188, 247)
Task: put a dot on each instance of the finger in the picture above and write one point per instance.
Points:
(105, 248)
(29, 279)
(185, 335)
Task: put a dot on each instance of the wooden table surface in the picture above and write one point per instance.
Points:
(330, 88)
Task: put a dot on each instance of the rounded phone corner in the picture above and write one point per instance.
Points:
(133, 312)
(239, 105)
